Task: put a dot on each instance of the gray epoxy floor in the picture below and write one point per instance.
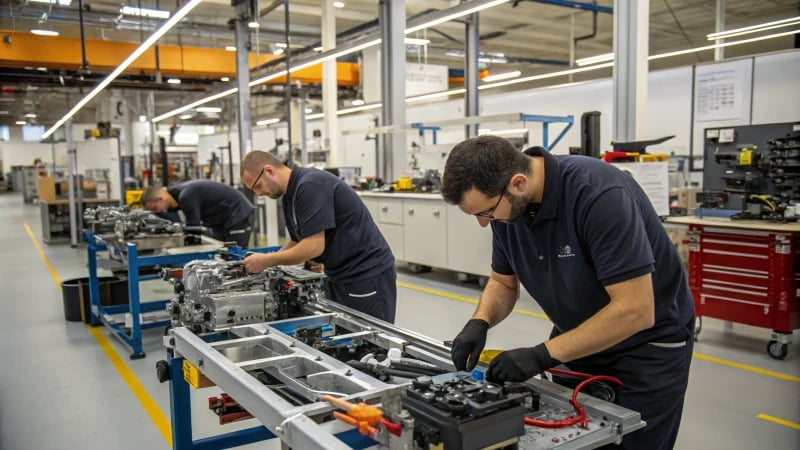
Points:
(59, 389)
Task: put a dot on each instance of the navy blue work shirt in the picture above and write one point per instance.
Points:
(316, 200)
(212, 204)
(595, 227)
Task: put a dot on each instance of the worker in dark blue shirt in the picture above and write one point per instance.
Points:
(205, 203)
(329, 225)
(584, 240)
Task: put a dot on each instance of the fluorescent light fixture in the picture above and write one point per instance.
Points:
(724, 44)
(503, 132)
(338, 4)
(277, 51)
(309, 110)
(605, 57)
(318, 49)
(315, 116)
(22, 122)
(502, 76)
(415, 41)
(268, 121)
(754, 29)
(336, 54)
(545, 76)
(174, 80)
(357, 102)
(180, 14)
(230, 48)
(358, 108)
(455, 15)
(31, 115)
(41, 32)
(185, 116)
(280, 45)
(42, 69)
(142, 118)
(253, 25)
(225, 79)
(209, 109)
(54, 2)
(192, 105)
(436, 95)
(144, 12)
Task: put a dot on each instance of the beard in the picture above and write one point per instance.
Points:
(519, 205)
(275, 191)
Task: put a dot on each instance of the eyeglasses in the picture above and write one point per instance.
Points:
(489, 214)
(260, 174)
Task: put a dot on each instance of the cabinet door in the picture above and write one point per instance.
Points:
(469, 245)
(390, 210)
(425, 223)
(394, 237)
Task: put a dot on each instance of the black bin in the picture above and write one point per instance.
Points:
(75, 296)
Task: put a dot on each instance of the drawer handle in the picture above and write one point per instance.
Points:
(436, 213)
(411, 211)
(385, 208)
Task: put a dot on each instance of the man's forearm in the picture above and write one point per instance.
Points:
(497, 302)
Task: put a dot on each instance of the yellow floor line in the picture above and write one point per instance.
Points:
(151, 408)
(785, 423)
(768, 373)
(465, 299)
(542, 316)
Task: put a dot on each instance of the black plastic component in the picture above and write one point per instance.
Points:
(162, 371)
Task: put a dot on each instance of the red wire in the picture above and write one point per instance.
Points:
(394, 428)
(581, 417)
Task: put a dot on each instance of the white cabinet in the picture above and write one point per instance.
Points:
(425, 225)
(469, 245)
(388, 215)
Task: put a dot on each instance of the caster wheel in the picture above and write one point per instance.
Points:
(463, 277)
(162, 371)
(777, 350)
(418, 268)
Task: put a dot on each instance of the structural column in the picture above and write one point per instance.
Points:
(471, 105)
(631, 24)
(719, 52)
(330, 86)
(392, 160)
(71, 185)
(242, 10)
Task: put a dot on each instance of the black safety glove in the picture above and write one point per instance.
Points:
(520, 364)
(468, 344)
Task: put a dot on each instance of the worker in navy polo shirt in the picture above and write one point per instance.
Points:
(584, 240)
(329, 225)
(205, 203)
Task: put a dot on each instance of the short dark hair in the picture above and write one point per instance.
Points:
(485, 163)
(256, 159)
(151, 193)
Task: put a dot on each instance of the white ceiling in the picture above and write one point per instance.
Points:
(530, 31)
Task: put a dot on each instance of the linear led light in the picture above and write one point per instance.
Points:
(416, 41)
(455, 15)
(209, 109)
(595, 59)
(230, 48)
(436, 95)
(753, 29)
(40, 32)
(55, 2)
(173, 80)
(144, 12)
(325, 56)
(268, 121)
(502, 76)
(202, 101)
(21, 122)
(180, 14)
(357, 102)
(724, 44)
(315, 116)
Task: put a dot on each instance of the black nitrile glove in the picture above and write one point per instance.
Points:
(520, 364)
(468, 344)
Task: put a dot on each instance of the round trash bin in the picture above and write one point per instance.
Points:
(75, 296)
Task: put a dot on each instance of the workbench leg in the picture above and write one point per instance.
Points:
(94, 284)
(180, 407)
(134, 302)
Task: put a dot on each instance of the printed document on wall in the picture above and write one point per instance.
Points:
(722, 91)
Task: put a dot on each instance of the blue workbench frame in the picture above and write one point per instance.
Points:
(181, 417)
(134, 306)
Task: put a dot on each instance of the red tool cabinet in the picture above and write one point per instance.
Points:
(746, 272)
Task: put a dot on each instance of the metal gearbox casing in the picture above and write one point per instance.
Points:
(220, 294)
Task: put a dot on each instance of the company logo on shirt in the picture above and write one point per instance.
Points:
(565, 252)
